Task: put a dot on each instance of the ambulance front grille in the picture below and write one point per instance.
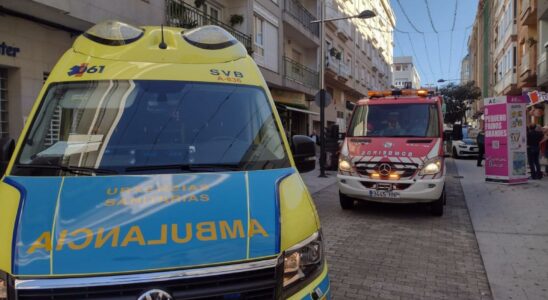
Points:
(250, 285)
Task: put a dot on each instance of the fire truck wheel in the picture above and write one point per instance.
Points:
(436, 207)
(346, 202)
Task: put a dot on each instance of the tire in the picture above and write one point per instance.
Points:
(436, 207)
(455, 153)
(346, 202)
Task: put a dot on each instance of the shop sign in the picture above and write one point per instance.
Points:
(7, 50)
(505, 139)
(286, 97)
(537, 97)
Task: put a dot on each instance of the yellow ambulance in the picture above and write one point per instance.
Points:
(154, 166)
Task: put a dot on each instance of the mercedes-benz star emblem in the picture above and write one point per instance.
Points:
(155, 295)
(385, 169)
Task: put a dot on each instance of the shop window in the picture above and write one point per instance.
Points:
(3, 102)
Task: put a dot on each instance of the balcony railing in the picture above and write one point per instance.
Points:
(512, 30)
(337, 66)
(301, 14)
(525, 5)
(300, 73)
(181, 14)
(524, 67)
(506, 81)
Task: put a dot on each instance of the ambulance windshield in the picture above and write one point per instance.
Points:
(395, 120)
(145, 126)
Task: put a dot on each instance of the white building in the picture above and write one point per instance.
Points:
(404, 73)
(40, 31)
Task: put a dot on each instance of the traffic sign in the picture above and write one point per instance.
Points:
(328, 99)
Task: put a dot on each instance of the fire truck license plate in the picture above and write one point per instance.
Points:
(383, 194)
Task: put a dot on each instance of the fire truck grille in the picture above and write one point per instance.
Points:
(405, 170)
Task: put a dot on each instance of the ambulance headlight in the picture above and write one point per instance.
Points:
(431, 167)
(209, 37)
(303, 262)
(114, 33)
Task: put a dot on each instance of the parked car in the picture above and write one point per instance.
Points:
(464, 145)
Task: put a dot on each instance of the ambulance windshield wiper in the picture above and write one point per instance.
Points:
(188, 167)
(70, 169)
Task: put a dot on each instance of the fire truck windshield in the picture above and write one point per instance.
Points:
(395, 120)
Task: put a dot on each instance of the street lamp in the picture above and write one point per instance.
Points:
(366, 14)
(444, 80)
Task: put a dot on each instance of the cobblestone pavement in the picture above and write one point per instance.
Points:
(380, 251)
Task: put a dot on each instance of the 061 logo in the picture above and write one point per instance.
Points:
(79, 70)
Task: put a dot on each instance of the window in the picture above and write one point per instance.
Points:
(3, 102)
(395, 120)
(266, 40)
(259, 36)
(398, 67)
(213, 11)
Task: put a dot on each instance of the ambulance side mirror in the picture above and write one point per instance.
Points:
(7, 146)
(304, 153)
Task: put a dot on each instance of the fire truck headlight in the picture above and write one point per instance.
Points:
(345, 165)
(431, 167)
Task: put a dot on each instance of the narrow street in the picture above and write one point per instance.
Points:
(380, 251)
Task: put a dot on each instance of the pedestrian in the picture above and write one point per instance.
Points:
(314, 137)
(534, 138)
(544, 143)
(480, 139)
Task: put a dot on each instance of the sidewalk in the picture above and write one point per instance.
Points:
(511, 226)
(315, 183)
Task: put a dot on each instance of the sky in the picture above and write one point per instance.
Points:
(434, 62)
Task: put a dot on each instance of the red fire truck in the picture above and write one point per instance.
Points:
(393, 151)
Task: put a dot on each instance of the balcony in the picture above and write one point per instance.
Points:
(542, 70)
(502, 41)
(181, 14)
(300, 73)
(303, 16)
(528, 15)
(524, 67)
(505, 83)
(339, 68)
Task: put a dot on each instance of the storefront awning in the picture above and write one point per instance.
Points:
(304, 111)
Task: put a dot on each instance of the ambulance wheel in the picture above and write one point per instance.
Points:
(436, 207)
(455, 153)
(346, 202)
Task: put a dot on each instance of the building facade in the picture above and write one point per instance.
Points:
(358, 57)
(33, 36)
(542, 62)
(465, 73)
(507, 51)
(404, 73)
(277, 33)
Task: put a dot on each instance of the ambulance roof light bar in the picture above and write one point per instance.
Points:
(395, 93)
(114, 33)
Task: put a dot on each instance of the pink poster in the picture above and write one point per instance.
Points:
(505, 139)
